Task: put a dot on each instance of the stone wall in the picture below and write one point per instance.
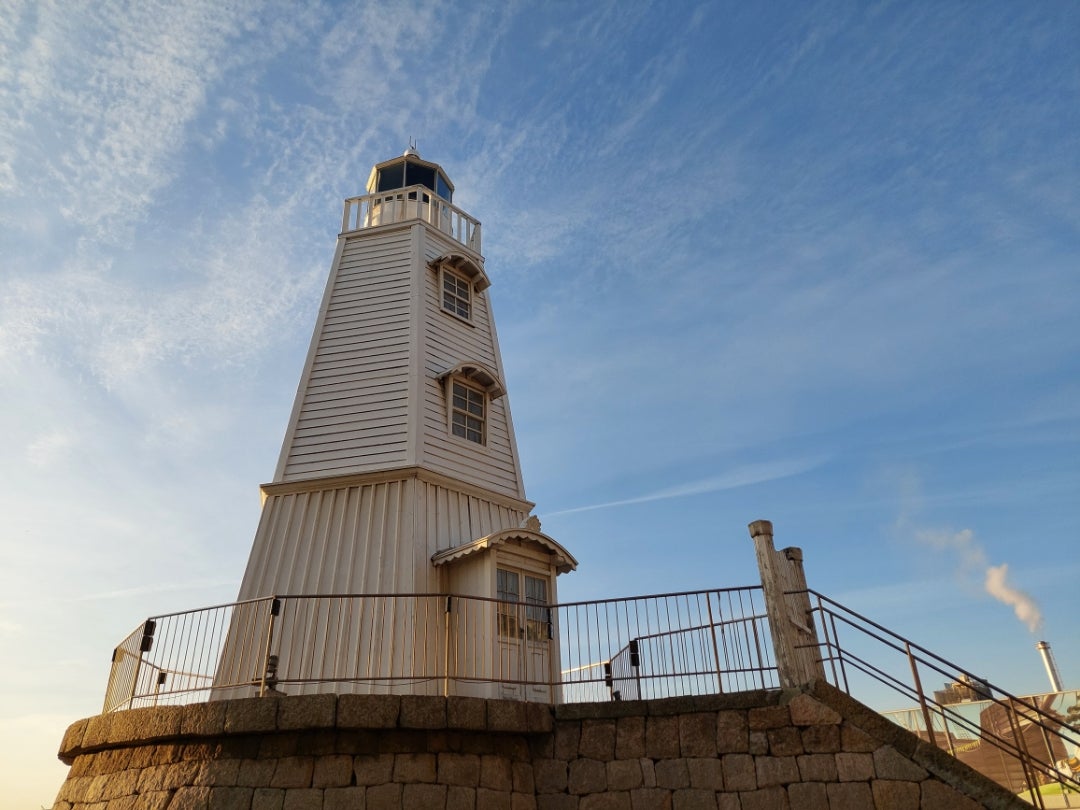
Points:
(799, 749)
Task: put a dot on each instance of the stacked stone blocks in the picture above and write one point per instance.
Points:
(812, 749)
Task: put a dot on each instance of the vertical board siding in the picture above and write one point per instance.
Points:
(353, 414)
(367, 538)
(345, 540)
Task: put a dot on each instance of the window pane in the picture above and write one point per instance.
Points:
(537, 615)
(442, 189)
(420, 176)
(507, 584)
(457, 292)
(535, 590)
(467, 412)
(507, 590)
(391, 177)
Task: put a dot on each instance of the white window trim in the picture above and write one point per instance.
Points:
(446, 272)
(451, 381)
(529, 620)
(466, 266)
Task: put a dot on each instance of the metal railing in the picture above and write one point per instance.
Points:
(642, 647)
(646, 647)
(1022, 743)
(413, 202)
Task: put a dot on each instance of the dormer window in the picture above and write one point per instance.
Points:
(456, 294)
(470, 387)
(468, 412)
(460, 279)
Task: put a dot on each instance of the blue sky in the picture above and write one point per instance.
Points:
(812, 262)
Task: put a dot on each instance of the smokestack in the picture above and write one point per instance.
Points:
(1051, 667)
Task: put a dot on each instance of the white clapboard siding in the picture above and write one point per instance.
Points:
(449, 341)
(352, 409)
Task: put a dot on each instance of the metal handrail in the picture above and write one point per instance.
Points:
(693, 642)
(1037, 764)
(643, 647)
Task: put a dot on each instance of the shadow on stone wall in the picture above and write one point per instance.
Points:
(768, 750)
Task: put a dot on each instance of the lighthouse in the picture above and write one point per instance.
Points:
(397, 510)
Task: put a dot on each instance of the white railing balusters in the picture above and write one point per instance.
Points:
(414, 202)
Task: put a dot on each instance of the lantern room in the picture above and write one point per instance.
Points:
(409, 170)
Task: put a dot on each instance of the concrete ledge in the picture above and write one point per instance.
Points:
(73, 740)
(325, 712)
(507, 716)
(466, 713)
(422, 711)
(306, 712)
(368, 711)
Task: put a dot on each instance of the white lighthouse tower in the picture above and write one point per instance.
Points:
(399, 472)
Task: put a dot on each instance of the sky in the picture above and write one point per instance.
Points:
(815, 262)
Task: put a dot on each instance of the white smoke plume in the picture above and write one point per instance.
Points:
(973, 560)
(1022, 604)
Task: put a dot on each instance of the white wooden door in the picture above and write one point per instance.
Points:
(524, 636)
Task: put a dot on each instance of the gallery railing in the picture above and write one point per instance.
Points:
(642, 647)
(414, 202)
(1023, 743)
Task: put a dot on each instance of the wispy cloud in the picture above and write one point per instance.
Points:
(740, 477)
(46, 450)
(116, 89)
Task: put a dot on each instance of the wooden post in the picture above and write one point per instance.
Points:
(801, 616)
(790, 621)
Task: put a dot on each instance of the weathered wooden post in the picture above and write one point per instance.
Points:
(787, 604)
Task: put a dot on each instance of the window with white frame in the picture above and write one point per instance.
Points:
(468, 412)
(456, 294)
(533, 609)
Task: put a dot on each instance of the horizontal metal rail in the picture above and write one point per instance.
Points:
(641, 647)
(1023, 743)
